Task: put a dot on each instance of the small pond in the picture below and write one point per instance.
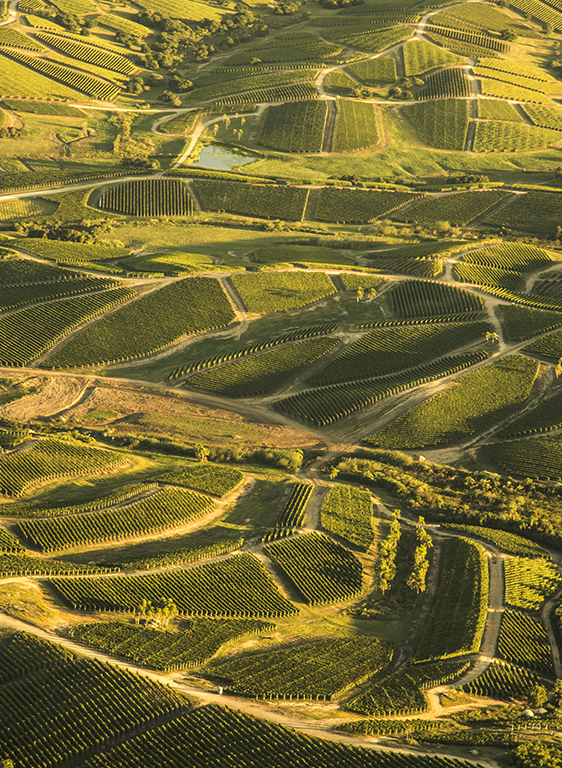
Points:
(222, 158)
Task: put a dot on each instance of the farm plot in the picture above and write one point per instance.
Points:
(293, 513)
(498, 89)
(184, 123)
(89, 54)
(319, 670)
(488, 276)
(113, 21)
(238, 587)
(347, 512)
(458, 208)
(373, 42)
(26, 209)
(534, 211)
(522, 323)
(356, 126)
(13, 297)
(189, 10)
(147, 325)
(402, 693)
(539, 11)
(83, 701)
(27, 333)
(441, 124)
(520, 81)
(295, 127)
(161, 649)
(339, 83)
(386, 350)
(254, 81)
(544, 116)
(507, 542)
(517, 257)
(226, 736)
(484, 18)
(264, 372)
(498, 110)
(357, 205)
(420, 57)
(539, 458)
(478, 400)
(15, 39)
(205, 477)
(282, 291)
(524, 641)
(303, 46)
(550, 287)
(20, 82)
(148, 197)
(268, 202)
(502, 681)
(80, 81)
(294, 92)
(546, 416)
(549, 347)
(419, 266)
(375, 72)
(446, 84)
(511, 67)
(495, 136)
(329, 404)
(67, 252)
(167, 509)
(421, 298)
(23, 564)
(52, 459)
(323, 571)
(456, 624)
(172, 263)
(464, 43)
(529, 582)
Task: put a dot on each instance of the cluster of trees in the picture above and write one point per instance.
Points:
(178, 40)
(421, 564)
(386, 566)
(134, 152)
(163, 611)
(12, 132)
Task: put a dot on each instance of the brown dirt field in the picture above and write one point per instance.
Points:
(56, 394)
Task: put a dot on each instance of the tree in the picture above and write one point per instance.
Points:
(558, 369)
(201, 453)
(334, 472)
(537, 756)
(421, 564)
(385, 567)
(360, 293)
(490, 336)
(508, 34)
(537, 696)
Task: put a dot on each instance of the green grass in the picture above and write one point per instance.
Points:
(475, 402)
(172, 262)
(282, 291)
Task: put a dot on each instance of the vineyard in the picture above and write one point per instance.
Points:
(402, 693)
(420, 57)
(458, 209)
(169, 508)
(446, 84)
(64, 707)
(531, 212)
(549, 347)
(24, 335)
(44, 509)
(323, 571)
(91, 86)
(89, 54)
(148, 197)
(539, 458)
(287, 203)
(528, 583)
(441, 124)
(147, 325)
(492, 136)
(357, 205)
(263, 372)
(319, 670)
(386, 350)
(206, 478)
(52, 459)
(544, 117)
(245, 80)
(164, 650)
(522, 323)
(457, 621)
(417, 299)
(502, 681)
(295, 127)
(238, 587)
(228, 737)
(524, 641)
(282, 291)
(15, 297)
(347, 512)
(476, 274)
(375, 72)
(507, 542)
(293, 512)
(498, 110)
(329, 404)
(356, 126)
(478, 400)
